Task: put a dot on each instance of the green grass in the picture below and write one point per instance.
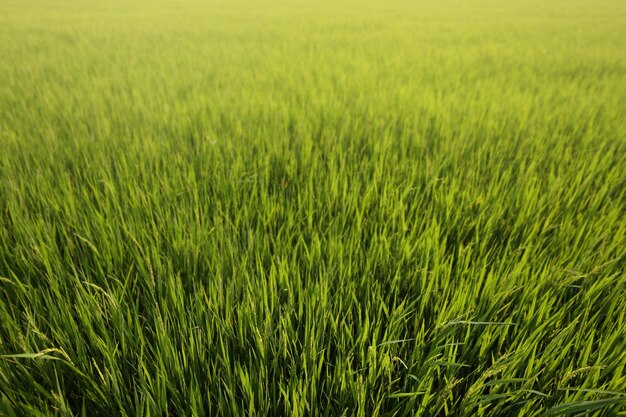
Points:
(303, 208)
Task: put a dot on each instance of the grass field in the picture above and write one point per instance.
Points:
(302, 208)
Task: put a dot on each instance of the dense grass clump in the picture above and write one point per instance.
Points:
(272, 208)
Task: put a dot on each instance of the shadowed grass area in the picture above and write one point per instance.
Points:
(312, 208)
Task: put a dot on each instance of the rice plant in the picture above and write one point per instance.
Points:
(312, 208)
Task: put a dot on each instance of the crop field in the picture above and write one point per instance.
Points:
(312, 208)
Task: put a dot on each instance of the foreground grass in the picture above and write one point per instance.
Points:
(311, 209)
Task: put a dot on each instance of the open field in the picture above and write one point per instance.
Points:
(302, 208)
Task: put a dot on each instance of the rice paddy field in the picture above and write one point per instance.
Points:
(312, 208)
